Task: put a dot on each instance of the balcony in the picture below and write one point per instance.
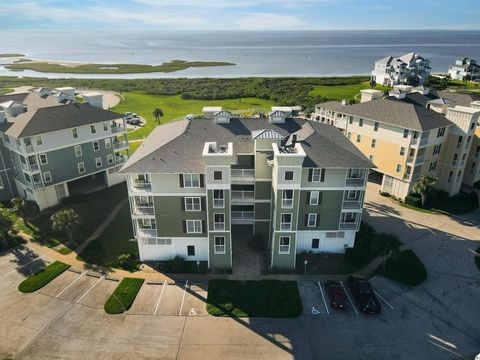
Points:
(423, 141)
(147, 232)
(243, 196)
(355, 181)
(410, 159)
(242, 217)
(31, 167)
(141, 186)
(349, 225)
(242, 176)
(120, 159)
(143, 209)
(117, 145)
(118, 129)
(419, 160)
(352, 204)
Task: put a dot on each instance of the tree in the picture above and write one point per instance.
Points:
(424, 187)
(372, 83)
(66, 220)
(157, 113)
(6, 227)
(467, 78)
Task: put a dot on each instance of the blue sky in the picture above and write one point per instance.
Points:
(238, 14)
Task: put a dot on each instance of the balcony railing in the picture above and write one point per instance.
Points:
(242, 215)
(141, 185)
(118, 129)
(243, 173)
(355, 181)
(30, 167)
(410, 159)
(120, 159)
(243, 196)
(419, 159)
(423, 141)
(147, 232)
(143, 209)
(120, 145)
(349, 225)
(352, 204)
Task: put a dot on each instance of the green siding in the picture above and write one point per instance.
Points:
(292, 211)
(262, 211)
(283, 261)
(329, 210)
(170, 217)
(263, 190)
(225, 210)
(220, 261)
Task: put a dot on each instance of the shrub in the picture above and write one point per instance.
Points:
(413, 200)
(122, 298)
(24, 208)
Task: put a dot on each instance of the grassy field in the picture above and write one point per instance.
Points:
(114, 241)
(175, 108)
(265, 298)
(122, 298)
(39, 280)
(343, 91)
(171, 66)
(459, 84)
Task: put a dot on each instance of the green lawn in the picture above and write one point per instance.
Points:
(122, 298)
(324, 264)
(133, 146)
(265, 298)
(406, 268)
(343, 91)
(43, 277)
(440, 202)
(459, 84)
(92, 208)
(175, 108)
(114, 241)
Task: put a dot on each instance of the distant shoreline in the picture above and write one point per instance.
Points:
(68, 67)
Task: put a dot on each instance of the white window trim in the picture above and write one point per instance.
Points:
(96, 162)
(80, 153)
(49, 177)
(221, 246)
(215, 223)
(93, 129)
(314, 171)
(284, 199)
(221, 175)
(311, 197)
(78, 166)
(285, 175)
(110, 159)
(41, 140)
(315, 220)
(105, 126)
(193, 222)
(93, 146)
(215, 206)
(46, 159)
(193, 204)
(191, 180)
(108, 143)
(280, 245)
(290, 223)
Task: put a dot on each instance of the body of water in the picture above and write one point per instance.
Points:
(270, 53)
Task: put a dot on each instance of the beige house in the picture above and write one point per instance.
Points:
(412, 132)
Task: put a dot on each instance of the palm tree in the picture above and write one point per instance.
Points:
(157, 113)
(66, 220)
(424, 187)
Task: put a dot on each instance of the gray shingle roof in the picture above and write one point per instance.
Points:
(163, 152)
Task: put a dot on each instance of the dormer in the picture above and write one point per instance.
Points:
(397, 93)
(64, 94)
(42, 92)
(13, 108)
(277, 117)
(222, 117)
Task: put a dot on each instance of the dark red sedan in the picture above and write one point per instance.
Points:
(336, 295)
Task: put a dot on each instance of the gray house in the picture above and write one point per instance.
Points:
(298, 185)
(53, 147)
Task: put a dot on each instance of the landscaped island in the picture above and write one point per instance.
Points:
(75, 68)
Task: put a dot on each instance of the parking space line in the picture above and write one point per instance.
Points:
(183, 298)
(18, 268)
(349, 299)
(90, 289)
(381, 298)
(323, 297)
(68, 286)
(159, 298)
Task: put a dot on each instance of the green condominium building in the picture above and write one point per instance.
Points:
(299, 185)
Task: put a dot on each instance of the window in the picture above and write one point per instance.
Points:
(43, 159)
(360, 122)
(217, 175)
(399, 168)
(314, 198)
(194, 226)
(39, 140)
(349, 135)
(477, 151)
(469, 138)
(96, 146)
(350, 120)
(219, 245)
(93, 129)
(219, 222)
(373, 143)
(286, 222)
(459, 176)
(191, 180)
(359, 138)
(405, 133)
(110, 159)
(287, 199)
(472, 168)
(191, 250)
(6, 138)
(193, 204)
(375, 126)
(81, 167)
(441, 132)
(317, 175)
(105, 126)
(433, 166)
(472, 126)
(288, 175)
(218, 199)
(108, 143)
(312, 220)
(371, 157)
(78, 150)
(315, 243)
(75, 133)
(98, 162)
(284, 247)
(352, 194)
(459, 142)
(455, 158)
(47, 177)
(436, 149)
(402, 151)
(450, 175)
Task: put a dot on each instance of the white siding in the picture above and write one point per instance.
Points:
(178, 247)
(327, 245)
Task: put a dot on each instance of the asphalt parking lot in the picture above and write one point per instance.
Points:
(19, 263)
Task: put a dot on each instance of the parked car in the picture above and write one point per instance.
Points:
(135, 122)
(336, 295)
(364, 296)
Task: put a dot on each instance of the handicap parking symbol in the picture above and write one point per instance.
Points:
(192, 312)
(315, 311)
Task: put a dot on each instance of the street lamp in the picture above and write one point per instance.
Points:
(305, 266)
